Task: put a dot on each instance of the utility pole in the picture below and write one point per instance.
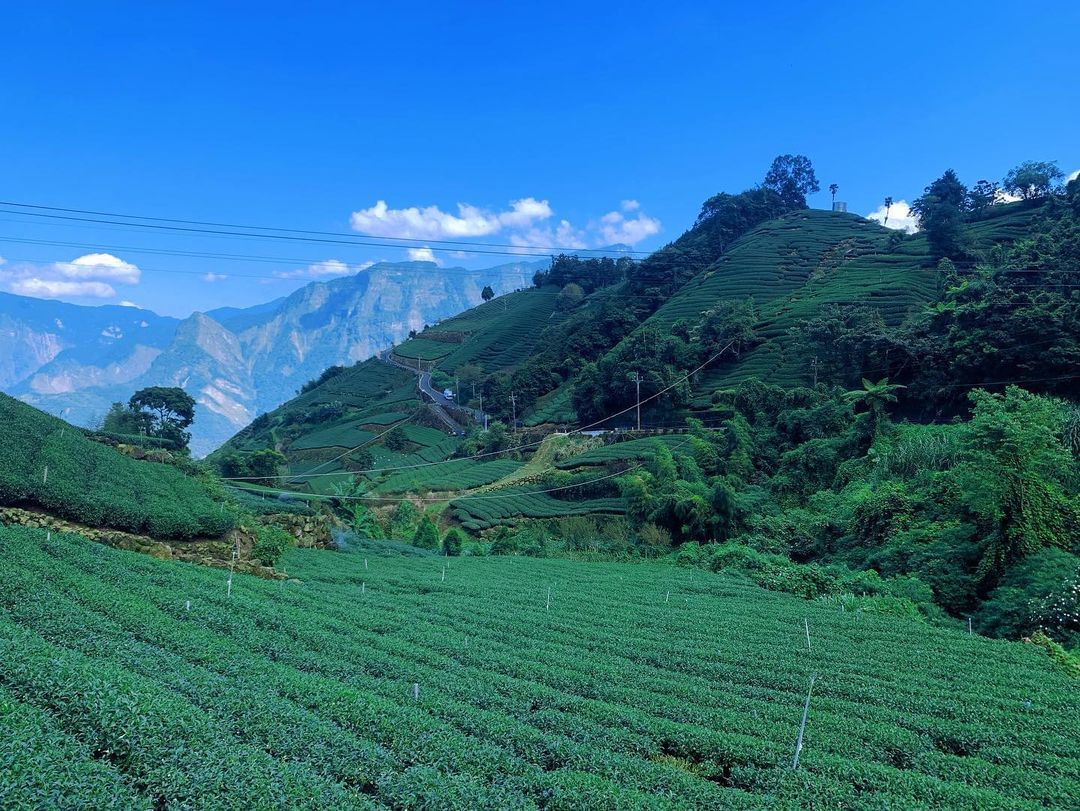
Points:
(814, 366)
(637, 381)
(457, 391)
(513, 406)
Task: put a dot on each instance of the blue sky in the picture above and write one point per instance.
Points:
(619, 119)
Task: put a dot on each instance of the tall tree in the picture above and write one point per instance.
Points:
(833, 189)
(981, 196)
(888, 205)
(1032, 179)
(487, 294)
(941, 215)
(792, 177)
(170, 410)
(876, 397)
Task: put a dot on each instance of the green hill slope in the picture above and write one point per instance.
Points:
(46, 463)
(499, 682)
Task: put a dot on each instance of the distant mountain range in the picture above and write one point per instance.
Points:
(75, 361)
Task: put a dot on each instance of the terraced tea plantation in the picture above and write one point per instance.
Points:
(406, 682)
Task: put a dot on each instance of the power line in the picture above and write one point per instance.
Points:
(582, 429)
(288, 234)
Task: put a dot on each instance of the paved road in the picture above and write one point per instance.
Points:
(440, 402)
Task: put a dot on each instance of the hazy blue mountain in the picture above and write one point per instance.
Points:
(236, 362)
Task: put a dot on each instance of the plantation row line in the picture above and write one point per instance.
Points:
(334, 631)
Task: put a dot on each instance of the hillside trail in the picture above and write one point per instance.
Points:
(541, 461)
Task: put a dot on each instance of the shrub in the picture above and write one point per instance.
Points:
(426, 535)
(271, 543)
(453, 541)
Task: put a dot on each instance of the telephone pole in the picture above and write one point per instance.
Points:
(637, 381)
(814, 366)
(513, 406)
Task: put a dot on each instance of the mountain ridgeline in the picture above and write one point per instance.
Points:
(236, 363)
(826, 405)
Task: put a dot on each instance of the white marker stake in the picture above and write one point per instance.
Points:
(802, 726)
(363, 588)
(667, 597)
(365, 564)
(806, 623)
(187, 605)
(444, 574)
(416, 691)
(969, 626)
(45, 475)
(547, 606)
(48, 536)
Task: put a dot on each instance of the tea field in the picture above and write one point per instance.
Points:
(373, 681)
(46, 463)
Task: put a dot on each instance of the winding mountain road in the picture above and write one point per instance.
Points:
(439, 402)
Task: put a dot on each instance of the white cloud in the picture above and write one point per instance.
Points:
(99, 266)
(900, 217)
(1069, 179)
(615, 227)
(431, 222)
(422, 255)
(563, 235)
(328, 268)
(527, 222)
(89, 276)
(126, 303)
(55, 288)
(214, 277)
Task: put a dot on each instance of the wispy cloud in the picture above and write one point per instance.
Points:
(214, 277)
(326, 269)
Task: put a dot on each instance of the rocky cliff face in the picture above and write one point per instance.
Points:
(75, 361)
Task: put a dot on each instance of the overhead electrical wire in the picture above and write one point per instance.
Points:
(294, 234)
(582, 429)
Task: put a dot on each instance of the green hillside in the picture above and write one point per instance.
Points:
(47, 464)
(129, 682)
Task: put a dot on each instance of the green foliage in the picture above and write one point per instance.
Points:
(93, 484)
(271, 544)
(1012, 475)
(167, 411)
(941, 215)
(396, 440)
(454, 541)
(1042, 592)
(98, 653)
(1033, 179)
(364, 523)
(328, 374)
(792, 177)
(404, 520)
(426, 535)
